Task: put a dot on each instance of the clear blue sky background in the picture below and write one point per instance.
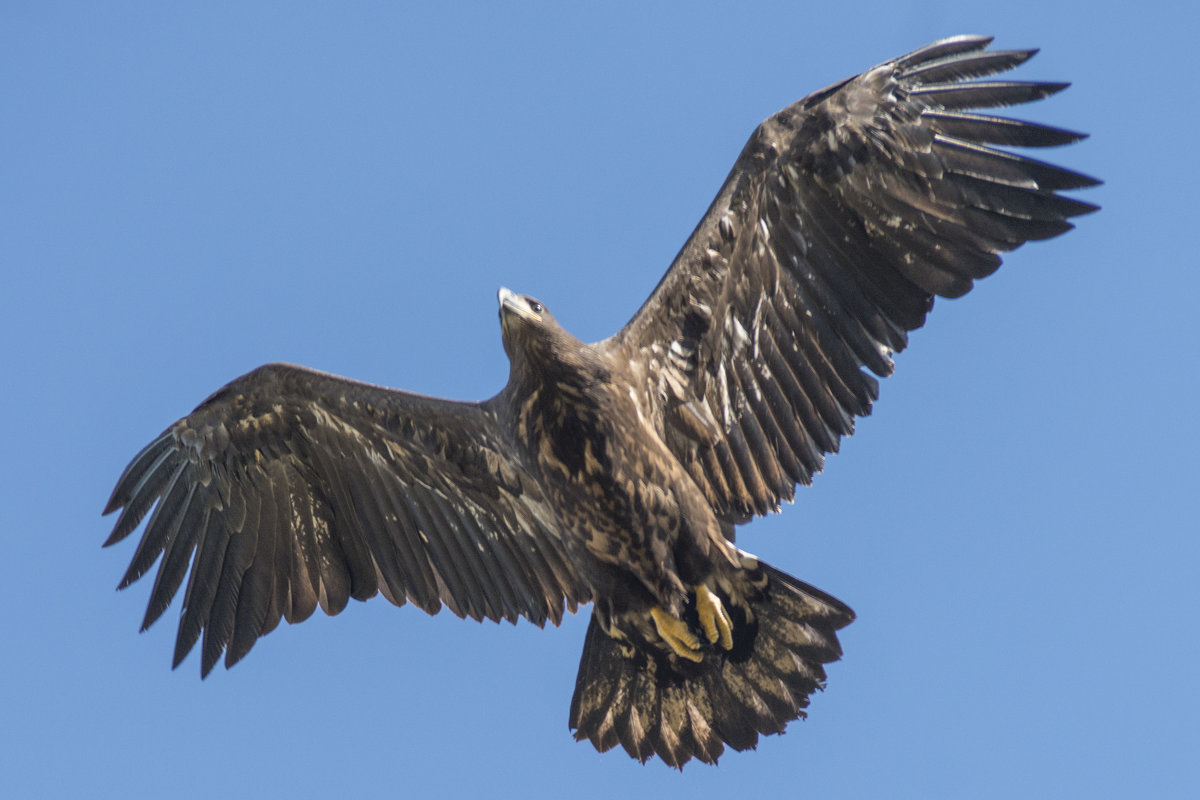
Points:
(190, 193)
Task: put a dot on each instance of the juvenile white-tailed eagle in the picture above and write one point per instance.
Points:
(615, 473)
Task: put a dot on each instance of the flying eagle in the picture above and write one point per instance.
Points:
(616, 473)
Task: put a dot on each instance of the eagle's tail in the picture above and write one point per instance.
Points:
(654, 704)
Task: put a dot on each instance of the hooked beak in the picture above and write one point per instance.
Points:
(508, 299)
(512, 303)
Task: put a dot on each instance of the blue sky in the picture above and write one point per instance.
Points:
(189, 193)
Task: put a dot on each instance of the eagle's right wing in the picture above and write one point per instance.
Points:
(845, 214)
(290, 488)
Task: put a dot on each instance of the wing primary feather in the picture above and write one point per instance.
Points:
(160, 527)
(177, 551)
(256, 586)
(202, 583)
(281, 575)
(143, 463)
(988, 129)
(943, 48)
(984, 94)
(1018, 203)
(239, 553)
(235, 500)
(1025, 229)
(345, 565)
(146, 489)
(998, 166)
(966, 65)
(304, 589)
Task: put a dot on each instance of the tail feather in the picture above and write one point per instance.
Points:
(653, 705)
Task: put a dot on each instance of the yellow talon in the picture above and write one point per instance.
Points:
(676, 634)
(714, 618)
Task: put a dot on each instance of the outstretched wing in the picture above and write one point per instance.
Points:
(290, 488)
(842, 218)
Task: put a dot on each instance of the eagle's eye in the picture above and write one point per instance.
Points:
(536, 307)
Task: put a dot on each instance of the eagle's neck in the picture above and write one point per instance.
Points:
(559, 389)
(553, 362)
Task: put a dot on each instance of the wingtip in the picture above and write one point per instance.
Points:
(1022, 55)
(1086, 182)
(977, 41)
(182, 648)
(951, 45)
(1086, 208)
(112, 505)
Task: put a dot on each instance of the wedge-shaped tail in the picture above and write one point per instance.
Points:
(634, 697)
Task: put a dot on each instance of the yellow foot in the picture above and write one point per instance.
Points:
(676, 634)
(713, 617)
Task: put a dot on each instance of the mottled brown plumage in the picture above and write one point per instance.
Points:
(616, 472)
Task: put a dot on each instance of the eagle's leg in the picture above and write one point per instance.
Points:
(676, 634)
(713, 617)
(714, 620)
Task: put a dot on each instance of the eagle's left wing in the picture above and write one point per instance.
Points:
(842, 218)
(291, 488)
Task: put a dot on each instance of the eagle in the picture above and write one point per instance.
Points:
(616, 473)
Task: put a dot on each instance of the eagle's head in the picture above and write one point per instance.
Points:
(519, 310)
(526, 325)
(532, 336)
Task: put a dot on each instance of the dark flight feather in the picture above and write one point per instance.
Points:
(616, 472)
